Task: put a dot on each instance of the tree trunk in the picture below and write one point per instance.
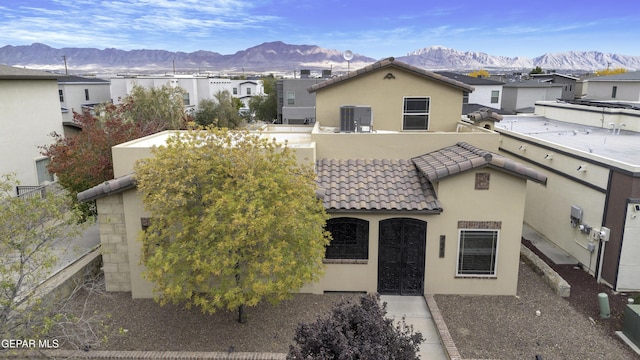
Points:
(241, 317)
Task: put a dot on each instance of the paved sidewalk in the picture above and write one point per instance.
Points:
(416, 313)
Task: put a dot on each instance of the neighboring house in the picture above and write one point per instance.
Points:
(197, 87)
(520, 97)
(79, 93)
(621, 87)
(295, 104)
(420, 203)
(30, 113)
(487, 92)
(570, 83)
(591, 151)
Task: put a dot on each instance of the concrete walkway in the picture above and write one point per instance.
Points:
(416, 313)
(551, 250)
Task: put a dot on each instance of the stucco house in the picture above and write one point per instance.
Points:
(590, 206)
(78, 93)
(420, 201)
(521, 96)
(620, 87)
(30, 112)
(569, 83)
(486, 93)
(197, 87)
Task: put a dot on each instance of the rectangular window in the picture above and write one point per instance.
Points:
(465, 97)
(350, 239)
(495, 96)
(614, 92)
(415, 115)
(291, 97)
(41, 169)
(235, 91)
(61, 94)
(186, 99)
(477, 252)
(248, 91)
(86, 94)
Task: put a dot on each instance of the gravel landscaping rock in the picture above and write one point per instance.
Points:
(509, 327)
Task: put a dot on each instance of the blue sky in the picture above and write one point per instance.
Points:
(373, 28)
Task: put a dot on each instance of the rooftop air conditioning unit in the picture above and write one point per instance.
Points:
(355, 118)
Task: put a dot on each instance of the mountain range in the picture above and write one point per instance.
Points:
(278, 56)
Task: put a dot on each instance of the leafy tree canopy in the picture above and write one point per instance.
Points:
(84, 159)
(235, 220)
(608, 71)
(219, 112)
(537, 70)
(29, 228)
(482, 73)
(265, 107)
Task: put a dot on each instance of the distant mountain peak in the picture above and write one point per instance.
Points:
(277, 55)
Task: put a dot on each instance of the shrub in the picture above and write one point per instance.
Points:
(356, 331)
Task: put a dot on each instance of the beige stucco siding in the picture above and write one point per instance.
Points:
(548, 207)
(386, 99)
(396, 145)
(504, 202)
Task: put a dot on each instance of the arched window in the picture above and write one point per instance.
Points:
(350, 238)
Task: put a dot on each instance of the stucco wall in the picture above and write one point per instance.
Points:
(504, 202)
(602, 90)
(30, 113)
(590, 115)
(386, 99)
(548, 208)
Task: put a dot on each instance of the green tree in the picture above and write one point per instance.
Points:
(265, 107)
(159, 108)
(29, 229)
(219, 112)
(235, 220)
(537, 70)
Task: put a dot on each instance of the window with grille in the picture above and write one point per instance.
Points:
(350, 238)
(477, 252)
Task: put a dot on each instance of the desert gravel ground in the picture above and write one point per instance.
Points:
(482, 327)
(507, 327)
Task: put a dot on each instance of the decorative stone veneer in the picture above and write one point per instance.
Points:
(113, 238)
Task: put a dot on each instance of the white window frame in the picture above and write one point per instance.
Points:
(495, 254)
(427, 113)
(48, 177)
(291, 97)
(497, 97)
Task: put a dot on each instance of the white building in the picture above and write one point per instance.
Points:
(197, 87)
(77, 93)
(30, 112)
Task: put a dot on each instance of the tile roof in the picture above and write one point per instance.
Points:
(461, 157)
(391, 63)
(387, 185)
(110, 187)
(16, 73)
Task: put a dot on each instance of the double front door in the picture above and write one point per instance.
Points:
(401, 256)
